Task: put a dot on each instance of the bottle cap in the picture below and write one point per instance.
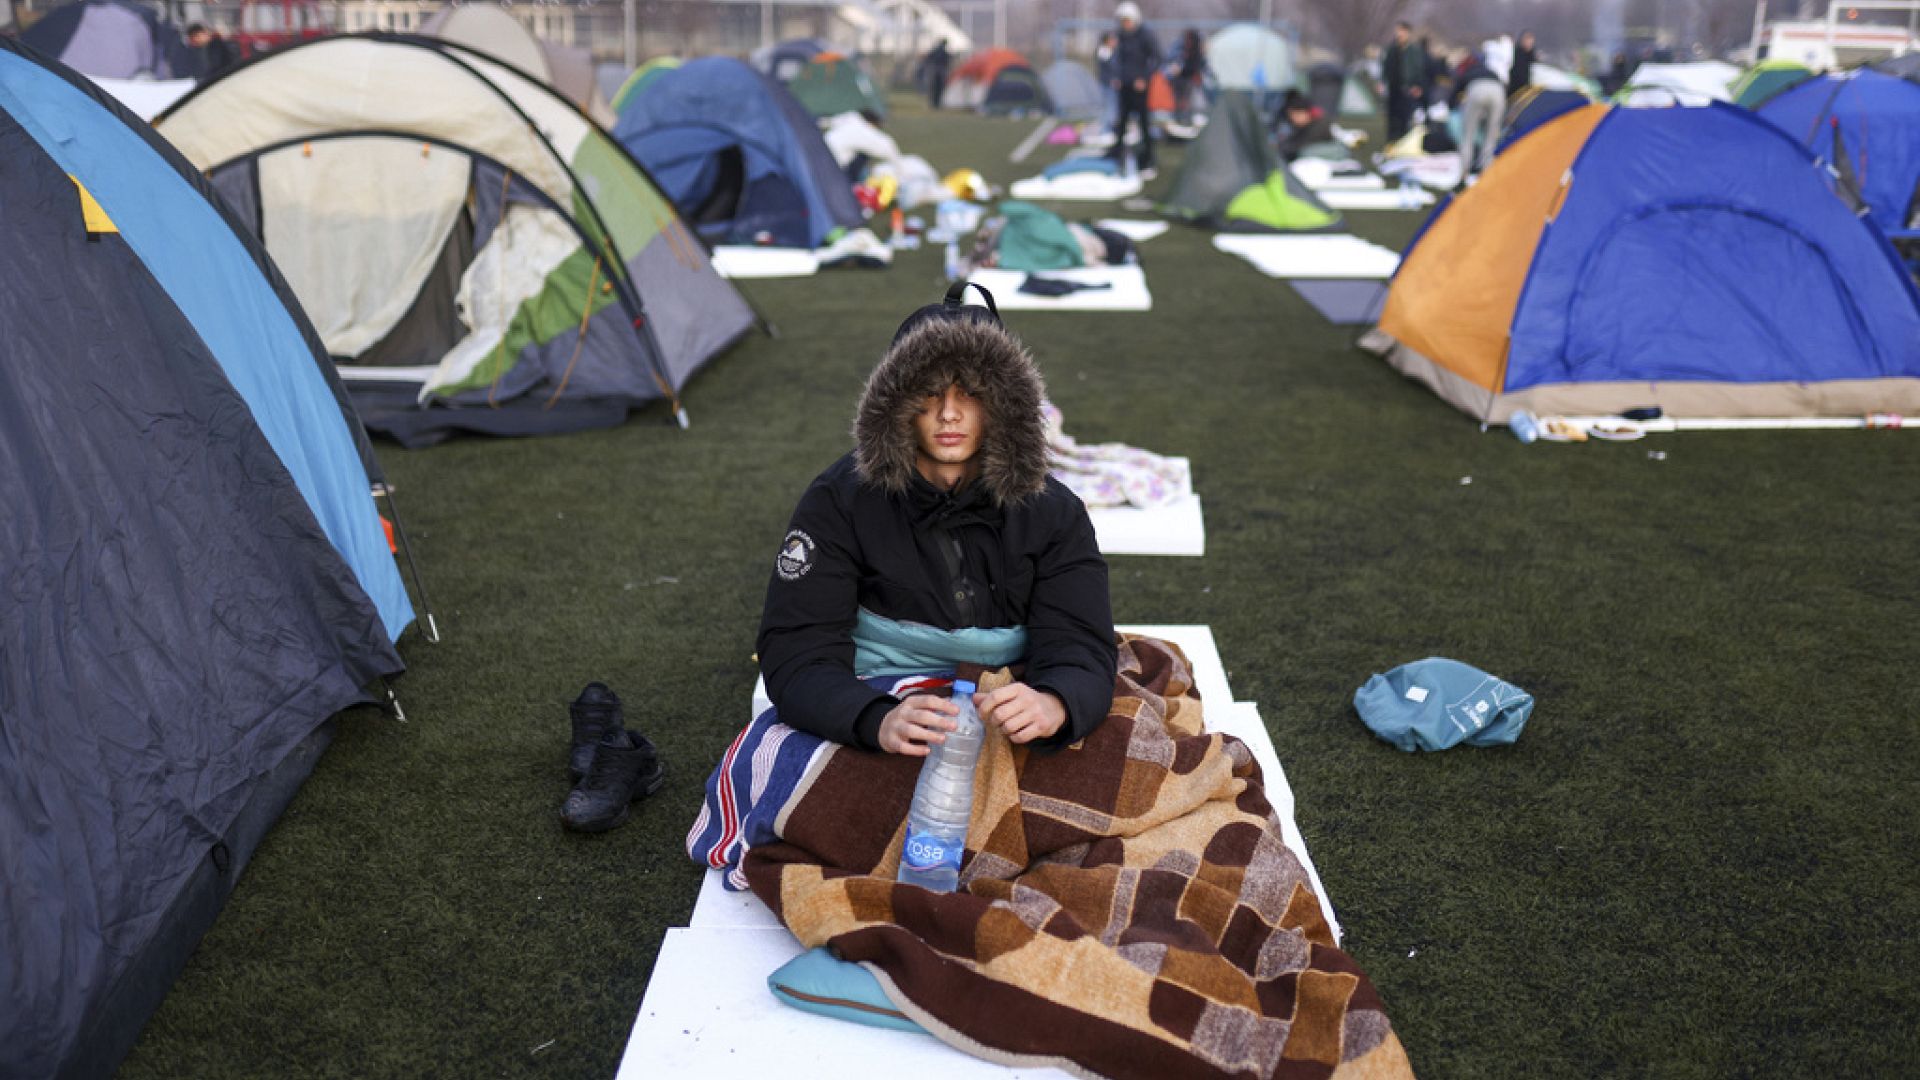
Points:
(962, 686)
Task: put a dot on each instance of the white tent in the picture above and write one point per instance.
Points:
(1249, 57)
(357, 159)
(1680, 84)
(491, 29)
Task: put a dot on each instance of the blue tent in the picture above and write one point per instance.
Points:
(196, 577)
(1866, 125)
(1693, 259)
(737, 155)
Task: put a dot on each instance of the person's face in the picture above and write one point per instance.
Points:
(199, 38)
(1299, 117)
(1526, 41)
(949, 426)
(1126, 23)
(1401, 34)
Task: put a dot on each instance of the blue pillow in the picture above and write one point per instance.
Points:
(1436, 703)
(821, 982)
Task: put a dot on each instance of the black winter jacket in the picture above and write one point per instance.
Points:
(1013, 547)
(1136, 56)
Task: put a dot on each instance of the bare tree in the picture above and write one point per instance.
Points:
(1349, 26)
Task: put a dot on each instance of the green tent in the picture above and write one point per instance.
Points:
(833, 84)
(1233, 177)
(642, 76)
(1765, 79)
(1036, 239)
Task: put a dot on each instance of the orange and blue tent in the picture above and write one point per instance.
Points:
(1694, 259)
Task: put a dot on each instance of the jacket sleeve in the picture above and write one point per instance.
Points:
(806, 629)
(1070, 646)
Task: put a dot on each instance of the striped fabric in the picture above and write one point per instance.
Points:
(759, 776)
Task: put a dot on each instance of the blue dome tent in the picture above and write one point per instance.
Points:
(196, 574)
(738, 155)
(1866, 125)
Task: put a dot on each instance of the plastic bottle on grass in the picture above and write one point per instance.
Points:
(1524, 425)
(942, 802)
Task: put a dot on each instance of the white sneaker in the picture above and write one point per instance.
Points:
(1149, 173)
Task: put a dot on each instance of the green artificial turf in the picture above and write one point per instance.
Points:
(1699, 859)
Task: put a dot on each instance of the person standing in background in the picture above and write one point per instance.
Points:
(1404, 71)
(1136, 56)
(1481, 96)
(1106, 66)
(1193, 68)
(933, 68)
(1520, 75)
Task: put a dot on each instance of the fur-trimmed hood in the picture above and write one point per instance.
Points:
(991, 364)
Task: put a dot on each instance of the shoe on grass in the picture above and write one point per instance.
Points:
(594, 713)
(625, 767)
(1149, 173)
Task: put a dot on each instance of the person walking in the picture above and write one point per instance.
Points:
(1404, 71)
(1136, 57)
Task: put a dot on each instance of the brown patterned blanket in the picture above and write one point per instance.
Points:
(1127, 907)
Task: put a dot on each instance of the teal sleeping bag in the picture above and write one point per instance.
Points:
(1437, 703)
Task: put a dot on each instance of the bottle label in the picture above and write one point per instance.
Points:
(926, 851)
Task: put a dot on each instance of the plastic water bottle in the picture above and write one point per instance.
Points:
(953, 266)
(1524, 425)
(942, 802)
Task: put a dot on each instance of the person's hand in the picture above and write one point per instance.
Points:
(917, 725)
(1021, 712)
(1413, 91)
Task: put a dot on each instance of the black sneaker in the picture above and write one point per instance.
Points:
(595, 713)
(625, 767)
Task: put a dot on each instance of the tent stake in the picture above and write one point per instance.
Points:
(413, 568)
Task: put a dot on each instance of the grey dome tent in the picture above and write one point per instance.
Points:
(477, 253)
(196, 578)
(1073, 90)
(1233, 179)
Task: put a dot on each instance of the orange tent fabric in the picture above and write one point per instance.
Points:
(1159, 94)
(984, 66)
(1454, 297)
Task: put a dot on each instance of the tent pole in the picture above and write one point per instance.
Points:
(413, 568)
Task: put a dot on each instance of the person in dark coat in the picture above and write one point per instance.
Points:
(1404, 71)
(1520, 75)
(933, 71)
(1193, 69)
(943, 518)
(1136, 57)
(216, 53)
(1301, 125)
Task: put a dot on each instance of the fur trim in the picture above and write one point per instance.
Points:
(989, 362)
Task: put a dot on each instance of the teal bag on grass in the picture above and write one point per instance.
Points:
(1436, 703)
